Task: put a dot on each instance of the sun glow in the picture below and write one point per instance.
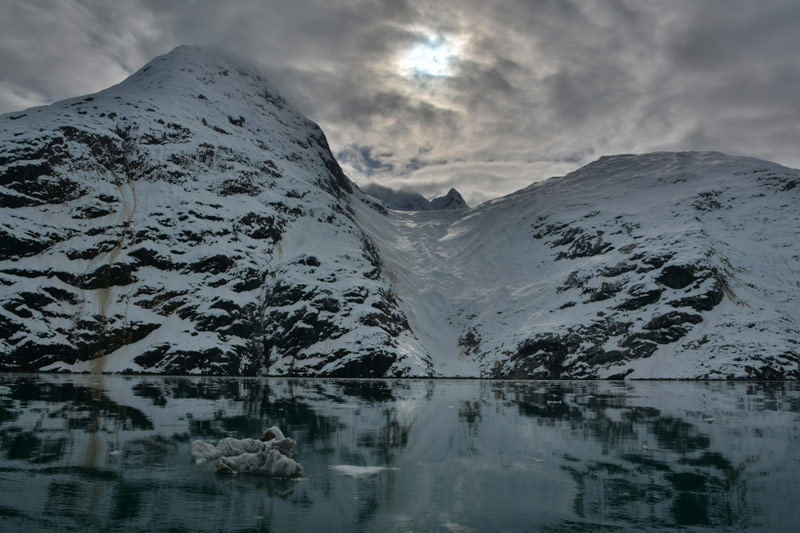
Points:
(432, 57)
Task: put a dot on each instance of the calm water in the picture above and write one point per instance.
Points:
(112, 453)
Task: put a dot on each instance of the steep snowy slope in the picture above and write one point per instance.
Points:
(667, 265)
(187, 221)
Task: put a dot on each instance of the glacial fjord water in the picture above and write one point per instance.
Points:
(85, 452)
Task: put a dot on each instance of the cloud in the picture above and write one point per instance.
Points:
(362, 159)
(536, 88)
(60, 48)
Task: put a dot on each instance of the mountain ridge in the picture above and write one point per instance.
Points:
(187, 220)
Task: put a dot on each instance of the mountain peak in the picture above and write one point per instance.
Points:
(194, 61)
(403, 200)
(452, 200)
(197, 71)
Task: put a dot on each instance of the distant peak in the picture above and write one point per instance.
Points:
(404, 200)
(452, 200)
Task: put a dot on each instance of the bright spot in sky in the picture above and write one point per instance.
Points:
(430, 58)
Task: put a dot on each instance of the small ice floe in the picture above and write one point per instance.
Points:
(647, 448)
(537, 460)
(114, 452)
(453, 526)
(270, 454)
(360, 471)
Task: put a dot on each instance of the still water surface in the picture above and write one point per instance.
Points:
(113, 453)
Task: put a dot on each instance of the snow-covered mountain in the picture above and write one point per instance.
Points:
(412, 201)
(665, 265)
(188, 220)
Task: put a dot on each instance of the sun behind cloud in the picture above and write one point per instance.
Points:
(433, 56)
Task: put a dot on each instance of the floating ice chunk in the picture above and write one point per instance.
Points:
(453, 526)
(227, 447)
(269, 461)
(360, 471)
(271, 454)
(203, 451)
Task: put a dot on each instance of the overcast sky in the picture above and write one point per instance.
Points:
(485, 96)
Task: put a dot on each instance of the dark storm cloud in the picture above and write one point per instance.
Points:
(535, 88)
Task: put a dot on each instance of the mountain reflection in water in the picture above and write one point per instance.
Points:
(103, 452)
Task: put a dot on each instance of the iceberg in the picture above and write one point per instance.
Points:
(270, 455)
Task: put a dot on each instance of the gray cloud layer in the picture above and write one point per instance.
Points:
(538, 87)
